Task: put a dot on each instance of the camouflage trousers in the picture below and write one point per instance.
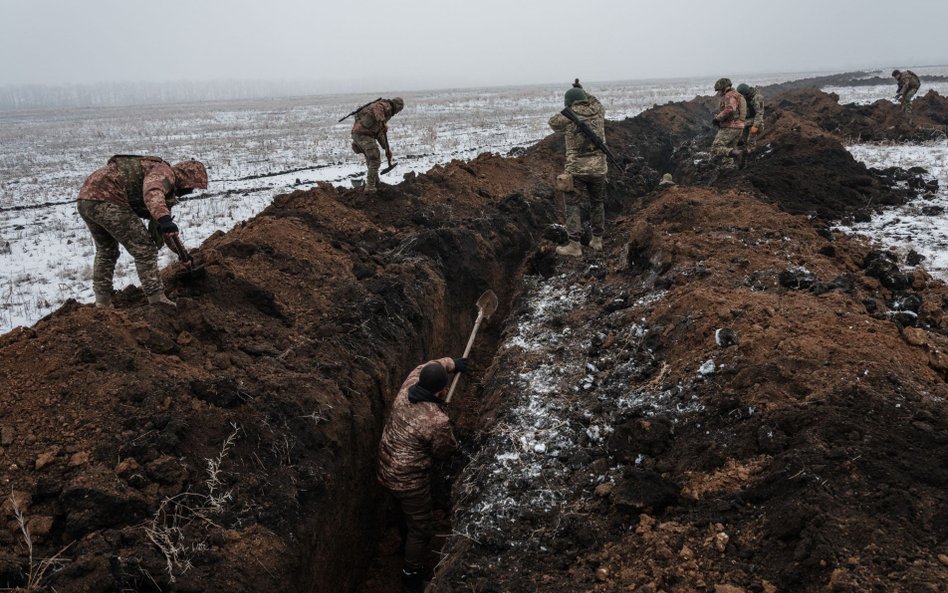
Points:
(112, 225)
(570, 203)
(416, 508)
(367, 145)
(907, 100)
(724, 143)
(748, 140)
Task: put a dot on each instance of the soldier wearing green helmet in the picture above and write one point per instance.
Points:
(730, 123)
(585, 171)
(754, 124)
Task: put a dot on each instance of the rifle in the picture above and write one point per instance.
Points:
(360, 109)
(591, 135)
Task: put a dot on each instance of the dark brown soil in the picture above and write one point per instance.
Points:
(242, 428)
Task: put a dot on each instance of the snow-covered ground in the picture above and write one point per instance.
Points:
(922, 224)
(866, 95)
(254, 150)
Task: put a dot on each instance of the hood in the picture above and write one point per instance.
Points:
(190, 175)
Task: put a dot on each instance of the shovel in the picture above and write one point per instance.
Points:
(191, 269)
(486, 305)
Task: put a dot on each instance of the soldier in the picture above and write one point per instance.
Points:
(754, 124)
(586, 169)
(416, 432)
(730, 123)
(111, 202)
(908, 86)
(371, 129)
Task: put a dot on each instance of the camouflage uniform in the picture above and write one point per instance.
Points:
(112, 201)
(586, 164)
(908, 86)
(369, 130)
(731, 115)
(755, 118)
(414, 435)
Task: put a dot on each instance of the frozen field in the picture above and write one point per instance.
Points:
(254, 150)
(866, 95)
(922, 224)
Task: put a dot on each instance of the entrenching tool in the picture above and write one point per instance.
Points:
(388, 154)
(486, 305)
(191, 269)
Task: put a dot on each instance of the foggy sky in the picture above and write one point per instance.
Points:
(427, 44)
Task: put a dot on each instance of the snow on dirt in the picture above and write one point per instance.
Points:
(254, 150)
(922, 224)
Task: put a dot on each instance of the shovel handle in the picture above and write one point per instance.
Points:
(467, 350)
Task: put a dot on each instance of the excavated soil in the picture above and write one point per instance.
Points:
(230, 445)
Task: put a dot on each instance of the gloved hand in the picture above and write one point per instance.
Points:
(165, 225)
(388, 154)
(755, 130)
(461, 365)
(715, 122)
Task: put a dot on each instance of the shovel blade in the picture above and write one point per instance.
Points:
(487, 304)
(388, 168)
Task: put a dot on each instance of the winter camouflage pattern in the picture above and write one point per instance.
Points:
(112, 225)
(414, 435)
(582, 156)
(732, 110)
(594, 186)
(908, 86)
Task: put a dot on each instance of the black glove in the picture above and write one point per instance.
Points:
(461, 365)
(715, 122)
(165, 225)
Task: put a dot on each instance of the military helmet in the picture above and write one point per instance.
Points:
(743, 89)
(190, 174)
(896, 72)
(573, 95)
(433, 377)
(397, 104)
(722, 84)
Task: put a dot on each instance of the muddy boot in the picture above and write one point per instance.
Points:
(159, 298)
(413, 581)
(573, 249)
(103, 301)
(372, 181)
(596, 243)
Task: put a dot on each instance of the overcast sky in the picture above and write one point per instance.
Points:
(426, 44)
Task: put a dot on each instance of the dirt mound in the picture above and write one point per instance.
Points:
(230, 445)
(735, 422)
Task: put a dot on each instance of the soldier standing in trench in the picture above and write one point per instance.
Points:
(754, 124)
(908, 86)
(417, 432)
(586, 168)
(112, 201)
(730, 123)
(371, 129)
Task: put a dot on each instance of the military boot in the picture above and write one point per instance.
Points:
(573, 249)
(372, 181)
(596, 243)
(159, 298)
(413, 581)
(103, 301)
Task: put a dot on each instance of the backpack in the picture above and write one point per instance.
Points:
(130, 166)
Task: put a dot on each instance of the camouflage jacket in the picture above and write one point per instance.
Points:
(732, 110)
(372, 120)
(582, 156)
(108, 184)
(908, 81)
(755, 109)
(414, 435)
